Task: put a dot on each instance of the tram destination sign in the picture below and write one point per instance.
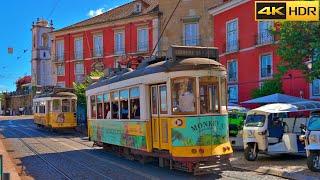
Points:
(180, 52)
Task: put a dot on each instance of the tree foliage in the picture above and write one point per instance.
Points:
(80, 88)
(268, 87)
(299, 45)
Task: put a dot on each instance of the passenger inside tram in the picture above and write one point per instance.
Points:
(184, 99)
(107, 111)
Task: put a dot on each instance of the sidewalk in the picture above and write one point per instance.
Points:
(8, 166)
(16, 117)
(286, 166)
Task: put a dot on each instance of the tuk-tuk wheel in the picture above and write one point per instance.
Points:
(314, 161)
(251, 152)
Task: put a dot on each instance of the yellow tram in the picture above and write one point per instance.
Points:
(55, 109)
(171, 109)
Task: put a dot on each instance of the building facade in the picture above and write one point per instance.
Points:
(248, 50)
(190, 25)
(41, 67)
(117, 38)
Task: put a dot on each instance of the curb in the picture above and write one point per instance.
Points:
(284, 174)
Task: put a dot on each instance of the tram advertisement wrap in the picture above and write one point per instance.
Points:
(200, 131)
(127, 134)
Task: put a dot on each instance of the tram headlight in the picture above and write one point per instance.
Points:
(313, 139)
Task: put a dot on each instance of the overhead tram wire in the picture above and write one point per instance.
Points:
(53, 9)
(165, 27)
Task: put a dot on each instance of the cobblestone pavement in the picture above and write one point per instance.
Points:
(41, 154)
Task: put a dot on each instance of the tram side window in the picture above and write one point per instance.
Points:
(42, 108)
(93, 107)
(107, 108)
(56, 105)
(49, 106)
(115, 105)
(73, 105)
(209, 95)
(224, 95)
(124, 104)
(66, 106)
(154, 100)
(134, 103)
(183, 96)
(163, 99)
(100, 107)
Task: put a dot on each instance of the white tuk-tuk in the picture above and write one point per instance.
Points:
(312, 140)
(269, 130)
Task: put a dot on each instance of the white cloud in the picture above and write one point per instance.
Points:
(96, 12)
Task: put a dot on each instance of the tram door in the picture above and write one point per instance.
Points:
(159, 109)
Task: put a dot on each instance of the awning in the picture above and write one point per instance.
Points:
(275, 98)
(290, 107)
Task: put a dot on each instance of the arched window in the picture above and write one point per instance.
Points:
(45, 40)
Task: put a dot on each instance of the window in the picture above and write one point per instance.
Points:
(119, 43)
(232, 36)
(66, 106)
(233, 71)
(97, 45)
(106, 105)
(266, 66)
(154, 100)
(61, 84)
(143, 40)
(56, 105)
(233, 94)
(93, 107)
(316, 87)
(45, 40)
(79, 68)
(135, 103)
(124, 104)
(60, 70)
(78, 51)
(209, 95)
(49, 106)
(60, 50)
(191, 34)
(183, 96)
(42, 107)
(100, 107)
(265, 35)
(73, 105)
(115, 105)
(163, 99)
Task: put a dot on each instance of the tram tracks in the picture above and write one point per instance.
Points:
(86, 166)
(93, 156)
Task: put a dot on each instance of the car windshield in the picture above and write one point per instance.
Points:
(254, 120)
(314, 124)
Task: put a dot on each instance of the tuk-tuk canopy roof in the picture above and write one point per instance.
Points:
(289, 107)
(275, 98)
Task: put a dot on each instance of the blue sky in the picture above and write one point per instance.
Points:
(16, 18)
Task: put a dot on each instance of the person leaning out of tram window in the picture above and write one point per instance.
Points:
(108, 112)
(136, 111)
(186, 99)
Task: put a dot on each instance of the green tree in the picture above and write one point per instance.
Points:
(80, 88)
(268, 87)
(299, 47)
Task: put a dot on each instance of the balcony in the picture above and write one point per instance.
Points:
(265, 38)
(232, 46)
(191, 41)
(58, 58)
(143, 46)
(78, 55)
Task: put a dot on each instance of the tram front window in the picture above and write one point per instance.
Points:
(183, 96)
(66, 105)
(42, 107)
(56, 106)
(134, 103)
(74, 105)
(124, 104)
(115, 105)
(99, 107)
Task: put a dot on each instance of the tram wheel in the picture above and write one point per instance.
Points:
(250, 152)
(313, 162)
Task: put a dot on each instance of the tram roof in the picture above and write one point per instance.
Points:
(57, 92)
(159, 65)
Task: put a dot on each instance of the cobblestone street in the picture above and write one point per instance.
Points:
(41, 154)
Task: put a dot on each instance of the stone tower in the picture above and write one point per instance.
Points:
(41, 53)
